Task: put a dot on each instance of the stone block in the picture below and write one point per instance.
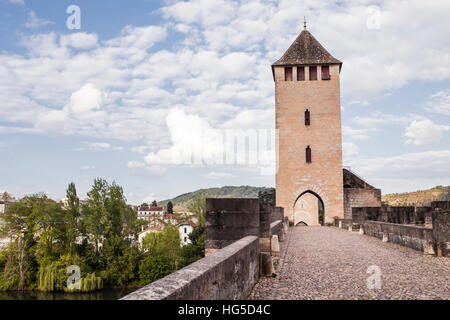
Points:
(228, 220)
(441, 230)
(275, 245)
(266, 263)
(264, 244)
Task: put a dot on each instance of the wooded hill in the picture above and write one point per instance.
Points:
(182, 202)
(418, 198)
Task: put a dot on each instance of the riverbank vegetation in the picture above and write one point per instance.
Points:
(98, 237)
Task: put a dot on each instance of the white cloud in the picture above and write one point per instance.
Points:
(220, 175)
(135, 164)
(440, 102)
(190, 135)
(87, 168)
(22, 2)
(87, 99)
(422, 132)
(141, 149)
(379, 119)
(218, 74)
(140, 168)
(33, 22)
(156, 171)
(354, 133)
(405, 172)
(97, 146)
(349, 149)
(139, 37)
(79, 40)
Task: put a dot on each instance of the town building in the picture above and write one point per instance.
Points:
(148, 213)
(185, 229)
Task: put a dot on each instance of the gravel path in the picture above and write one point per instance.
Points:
(332, 263)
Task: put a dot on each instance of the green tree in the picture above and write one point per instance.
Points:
(268, 196)
(72, 215)
(36, 229)
(170, 207)
(153, 268)
(198, 208)
(94, 213)
(6, 197)
(162, 254)
(196, 249)
(154, 203)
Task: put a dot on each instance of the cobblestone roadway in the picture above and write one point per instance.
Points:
(331, 263)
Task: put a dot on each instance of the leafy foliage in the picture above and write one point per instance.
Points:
(99, 236)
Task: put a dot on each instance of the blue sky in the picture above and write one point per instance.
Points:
(120, 96)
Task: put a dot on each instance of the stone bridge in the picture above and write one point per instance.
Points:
(253, 253)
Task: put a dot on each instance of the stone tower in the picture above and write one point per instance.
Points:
(308, 119)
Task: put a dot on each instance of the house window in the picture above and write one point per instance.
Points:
(325, 73)
(308, 154)
(300, 73)
(185, 239)
(307, 118)
(312, 73)
(185, 230)
(288, 74)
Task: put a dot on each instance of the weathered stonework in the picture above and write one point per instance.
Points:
(323, 176)
(228, 220)
(416, 237)
(441, 231)
(306, 209)
(229, 274)
(358, 193)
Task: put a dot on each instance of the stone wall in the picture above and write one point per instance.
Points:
(355, 197)
(400, 215)
(421, 228)
(423, 215)
(416, 237)
(228, 220)
(441, 231)
(241, 235)
(228, 274)
(358, 193)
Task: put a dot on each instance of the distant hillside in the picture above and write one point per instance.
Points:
(183, 201)
(418, 198)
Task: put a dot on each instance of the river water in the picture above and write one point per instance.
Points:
(106, 294)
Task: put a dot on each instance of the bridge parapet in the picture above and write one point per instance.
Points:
(421, 228)
(228, 274)
(240, 237)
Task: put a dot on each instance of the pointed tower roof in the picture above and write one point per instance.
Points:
(306, 50)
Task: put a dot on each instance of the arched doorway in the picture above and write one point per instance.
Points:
(309, 209)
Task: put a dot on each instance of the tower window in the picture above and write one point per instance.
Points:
(308, 154)
(307, 118)
(312, 73)
(288, 74)
(300, 73)
(325, 73)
